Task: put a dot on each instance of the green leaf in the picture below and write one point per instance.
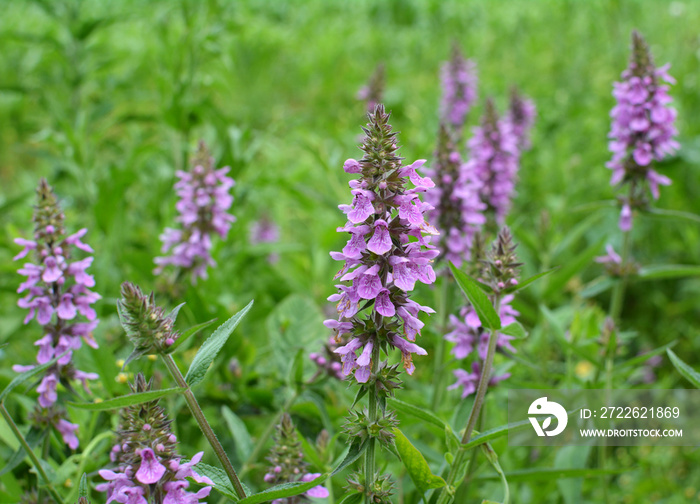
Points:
(19, 380)
(483, 307)
(190, 332)
(639, 359)
(416, 466)
(355, 498)
(494, 433)
(515, 329)
(674, 214)
(127, 400)
(34, 437)
(688, 373)
(83, 486)
(597, 286)
(528, 281)
(453, 444)
(493, 460)
(657, 271)
(557, 283)
(173, 314)
(239, 431)
(500, 431)
(356, 449)
(284, 490)
(220, 479)
(420, 413)
(297, 372)
(208, 351)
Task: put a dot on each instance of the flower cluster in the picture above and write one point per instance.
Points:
(494, 157)
(149, 469)
(386, 255)
(287, 463)
(57, 294)
(458, 212)
(373, 92)
(202, 208)
(146, 324)
(470, 381)
(521, 117)
(459, 81)
(642, 129)
(499, 273)
(328, 362)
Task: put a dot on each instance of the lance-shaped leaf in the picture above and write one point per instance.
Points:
(356, 449)
(481, 303)
(190, 332)
(688, 373)
(416, 465)
(27, 375)
(283, 491)
(211, 347)
(127, 400)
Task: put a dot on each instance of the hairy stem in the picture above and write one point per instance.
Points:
(204, 425)
(32, 456)
(618, 294)
(370, 454)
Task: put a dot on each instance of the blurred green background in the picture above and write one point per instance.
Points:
(107, 99)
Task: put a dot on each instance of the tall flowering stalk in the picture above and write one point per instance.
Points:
(459, 83)
(500, 273)
(58, 294)
(458, 212)
(151, 331)
(642, 130)
(389, 250)
(202, 213)
(373, 92)
(287, 463)
(148, 466)
(494, 157)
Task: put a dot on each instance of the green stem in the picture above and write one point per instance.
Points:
(438, 387)
(32, 456)
(204, 425)
(448, 490)
(370, 454)
(618, 294)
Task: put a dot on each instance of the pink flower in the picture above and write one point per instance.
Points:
(151, 470)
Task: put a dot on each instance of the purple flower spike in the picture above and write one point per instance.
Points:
(459, 81)
(521, 117)
(458, 211)
(388, 251)
(643, 129)
(494, 157)
(57, 295)
(203, 212)
(148, 464)
(466, 331)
